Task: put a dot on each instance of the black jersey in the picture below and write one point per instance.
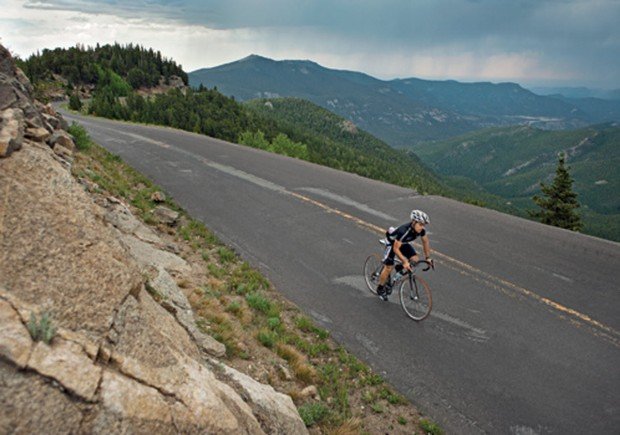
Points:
(404, 234)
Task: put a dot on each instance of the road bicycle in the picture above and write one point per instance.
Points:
(414, 293)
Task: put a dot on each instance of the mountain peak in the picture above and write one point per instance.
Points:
(255, 57)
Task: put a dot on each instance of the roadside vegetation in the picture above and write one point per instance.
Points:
(265, 336)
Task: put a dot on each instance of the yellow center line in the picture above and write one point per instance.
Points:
(491, 279)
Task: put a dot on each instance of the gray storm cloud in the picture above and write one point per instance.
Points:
(564, 35)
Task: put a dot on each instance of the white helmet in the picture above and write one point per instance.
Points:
(420, 216)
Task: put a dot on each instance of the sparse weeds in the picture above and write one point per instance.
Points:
(216, 271)
(377, 407)
(234, 307)
(41, 329)
(260, 303)
(152, 291)
(306, 325)
(313, 413)
(267, 338)
(430, 427)
(226, 255)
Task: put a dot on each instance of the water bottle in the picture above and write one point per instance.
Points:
(399, 272)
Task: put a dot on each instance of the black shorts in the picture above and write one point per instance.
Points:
(406, 249)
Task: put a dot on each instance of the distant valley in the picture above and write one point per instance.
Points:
(404, 112)
(512, 161)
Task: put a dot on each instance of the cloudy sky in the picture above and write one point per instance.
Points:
(532, 42)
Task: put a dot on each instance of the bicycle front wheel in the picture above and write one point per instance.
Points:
(372, 271)
(416, 298)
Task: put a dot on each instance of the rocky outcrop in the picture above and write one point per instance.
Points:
(21, 116)
(127, 355)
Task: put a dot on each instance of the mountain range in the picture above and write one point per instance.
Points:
(404, 112)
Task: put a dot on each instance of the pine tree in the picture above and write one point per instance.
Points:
(559, 204)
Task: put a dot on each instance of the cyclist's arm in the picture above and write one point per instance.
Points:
(426, 246)
(405, 260)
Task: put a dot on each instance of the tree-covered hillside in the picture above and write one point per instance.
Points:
(511, 162)
(322, 137)
(336, 142)
(83, 65)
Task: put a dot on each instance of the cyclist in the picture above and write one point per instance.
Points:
(399, 244)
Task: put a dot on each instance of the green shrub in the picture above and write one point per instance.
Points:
(41, 329)
(267, 338)
(274, 323)
(234, 307)
(226, 255)
(80, 136)
(260, 303)
(313, 413)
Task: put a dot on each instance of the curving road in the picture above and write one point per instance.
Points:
(524, 337)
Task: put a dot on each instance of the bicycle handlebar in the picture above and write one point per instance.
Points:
(415, 264)
(430, 265)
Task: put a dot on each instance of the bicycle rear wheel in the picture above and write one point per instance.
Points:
(416, 298)
(372, 270)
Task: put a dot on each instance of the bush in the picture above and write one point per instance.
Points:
(42, 329)
(81, 137)
(74, 102)
(260, 303)
(313, 413)
(267, 338)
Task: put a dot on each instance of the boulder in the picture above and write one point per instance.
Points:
(63, 152)
(158, 196)
(37, 134)
(167, 288)
(147, 255)
(53, 121)
(61, 137)
(11, 131)
(276, 411)
(119, 215)
(165, 215)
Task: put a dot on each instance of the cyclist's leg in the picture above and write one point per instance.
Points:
(409, 252)
(388, 265)
(385, 273)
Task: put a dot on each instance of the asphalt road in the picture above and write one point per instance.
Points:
(524, 337)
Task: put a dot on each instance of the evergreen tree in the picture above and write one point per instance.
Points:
(558, 205)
